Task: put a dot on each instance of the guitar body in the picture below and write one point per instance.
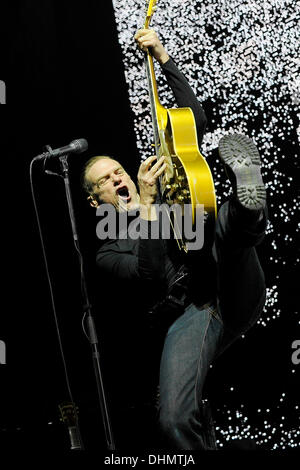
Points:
(189, 181)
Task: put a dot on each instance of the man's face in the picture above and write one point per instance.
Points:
(112, 185)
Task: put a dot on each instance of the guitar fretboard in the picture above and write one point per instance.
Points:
(152, 103)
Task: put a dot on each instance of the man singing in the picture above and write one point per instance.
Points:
(222, 290)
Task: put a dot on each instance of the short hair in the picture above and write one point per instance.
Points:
(86, 183)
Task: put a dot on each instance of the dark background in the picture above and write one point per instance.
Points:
(65, 80)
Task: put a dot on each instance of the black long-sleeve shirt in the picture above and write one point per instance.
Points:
(184, 96)
(146, 259)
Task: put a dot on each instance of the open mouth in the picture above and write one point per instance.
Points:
(123, 193)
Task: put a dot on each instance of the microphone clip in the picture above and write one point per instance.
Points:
(48, 153)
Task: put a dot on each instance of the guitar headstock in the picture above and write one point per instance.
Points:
(150, 9)
(68, 413)
(69, 416)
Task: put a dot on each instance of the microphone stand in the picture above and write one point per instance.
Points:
(92, 334)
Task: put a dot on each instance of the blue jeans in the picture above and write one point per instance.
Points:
(198, 336)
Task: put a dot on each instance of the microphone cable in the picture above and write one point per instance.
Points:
(65, 368)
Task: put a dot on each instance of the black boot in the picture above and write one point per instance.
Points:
(242, 164)
(248, 213)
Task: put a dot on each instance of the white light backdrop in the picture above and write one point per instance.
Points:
(241, 58)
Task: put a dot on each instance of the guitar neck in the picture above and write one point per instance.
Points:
(158, 112)
(153, 97)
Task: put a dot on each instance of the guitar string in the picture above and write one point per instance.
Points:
(148, 63)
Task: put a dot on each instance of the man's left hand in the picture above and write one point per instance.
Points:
(148, 38)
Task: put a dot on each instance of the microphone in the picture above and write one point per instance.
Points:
(76, 146)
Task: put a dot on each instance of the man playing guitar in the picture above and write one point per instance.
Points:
(222, 292)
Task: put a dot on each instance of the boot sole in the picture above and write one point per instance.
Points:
(242, 161)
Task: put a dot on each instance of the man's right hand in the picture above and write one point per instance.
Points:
(148, 175)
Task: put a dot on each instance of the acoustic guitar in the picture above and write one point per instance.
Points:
(187, 179)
